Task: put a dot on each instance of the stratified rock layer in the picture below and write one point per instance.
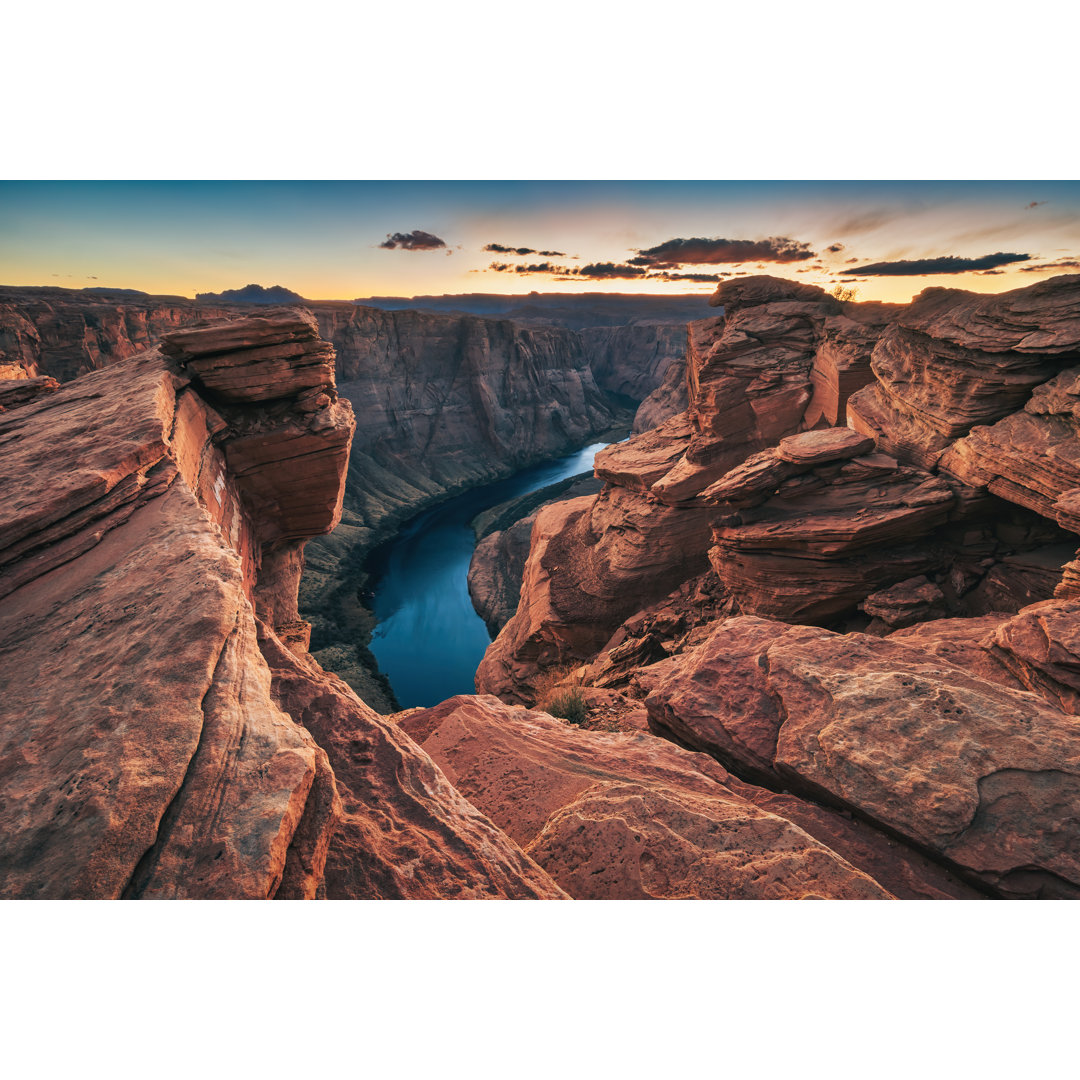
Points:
(150, 760)
(814, 534)
(626, 817)
(147, 748)
(982, 777)
(953, 360)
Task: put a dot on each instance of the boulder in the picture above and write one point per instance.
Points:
(979, 776)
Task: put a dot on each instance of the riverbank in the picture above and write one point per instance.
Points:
(336, 587)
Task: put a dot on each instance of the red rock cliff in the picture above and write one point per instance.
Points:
(158, 702)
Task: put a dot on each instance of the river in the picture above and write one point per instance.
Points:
(428, 639)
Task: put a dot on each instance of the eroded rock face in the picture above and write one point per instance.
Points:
(953, 360)
(667, 400)
(1041, 647)
(448, 401)
(148, 748)
(626, 817)
(405, 832)
(807, 521)
(20, 382)
(908, 602)
(151, 760)
(584, 577)
(812, 534)
(980, 776)
(634, 360)
(1032, 456)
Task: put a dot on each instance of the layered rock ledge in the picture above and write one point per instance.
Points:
(162, 720)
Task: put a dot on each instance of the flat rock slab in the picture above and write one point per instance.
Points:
(625, 816)
(984, 777)
(825, 445)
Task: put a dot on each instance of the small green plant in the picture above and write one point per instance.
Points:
(568, 704)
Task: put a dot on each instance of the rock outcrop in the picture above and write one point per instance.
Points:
(626, 817)
(502, 549)
(749, 385)
(808, 536)
(981, 777)
(817, 524)
(149, 573)
(449, 401)
(952, 360)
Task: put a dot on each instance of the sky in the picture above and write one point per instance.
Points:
(344, 239)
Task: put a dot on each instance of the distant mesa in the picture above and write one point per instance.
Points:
(106, 289)
(251, 294)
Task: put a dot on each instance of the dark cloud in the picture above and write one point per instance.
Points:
(1061, 264)
(948, 264)
(698, 251)
(834, 248)
(594, 271)
(982, 273)
(502, 249)
(528, 268)
(848, 262)
(417, 240)
(607, 270)
(664, 275)
(602, 272)
(1032, 205)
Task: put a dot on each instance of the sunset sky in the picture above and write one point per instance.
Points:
(340, 240)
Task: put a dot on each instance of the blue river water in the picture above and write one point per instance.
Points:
(428, 639)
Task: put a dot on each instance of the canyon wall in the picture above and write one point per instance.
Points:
(802, 525)
(775, 656)
(877, 619)
(159, 704)
(446, 402)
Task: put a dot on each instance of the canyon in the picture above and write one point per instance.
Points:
(448, 401)
(821, 612)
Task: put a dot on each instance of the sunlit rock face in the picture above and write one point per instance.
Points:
(159, 702)
(939, 527)
(979, 774)
(808, 538)
(627, 816)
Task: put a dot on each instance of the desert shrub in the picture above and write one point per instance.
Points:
(845, 295)
(568, 704)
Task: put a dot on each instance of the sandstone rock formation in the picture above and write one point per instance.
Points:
(633, 361)
(749, 385)
(667, 400)
(190, 745)
(498, 563)
(626, 817)
(979, 776)
(448, 401)
(948, 745)
(952, 360)
(809, 536)
(149, 573)
(814, 534)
